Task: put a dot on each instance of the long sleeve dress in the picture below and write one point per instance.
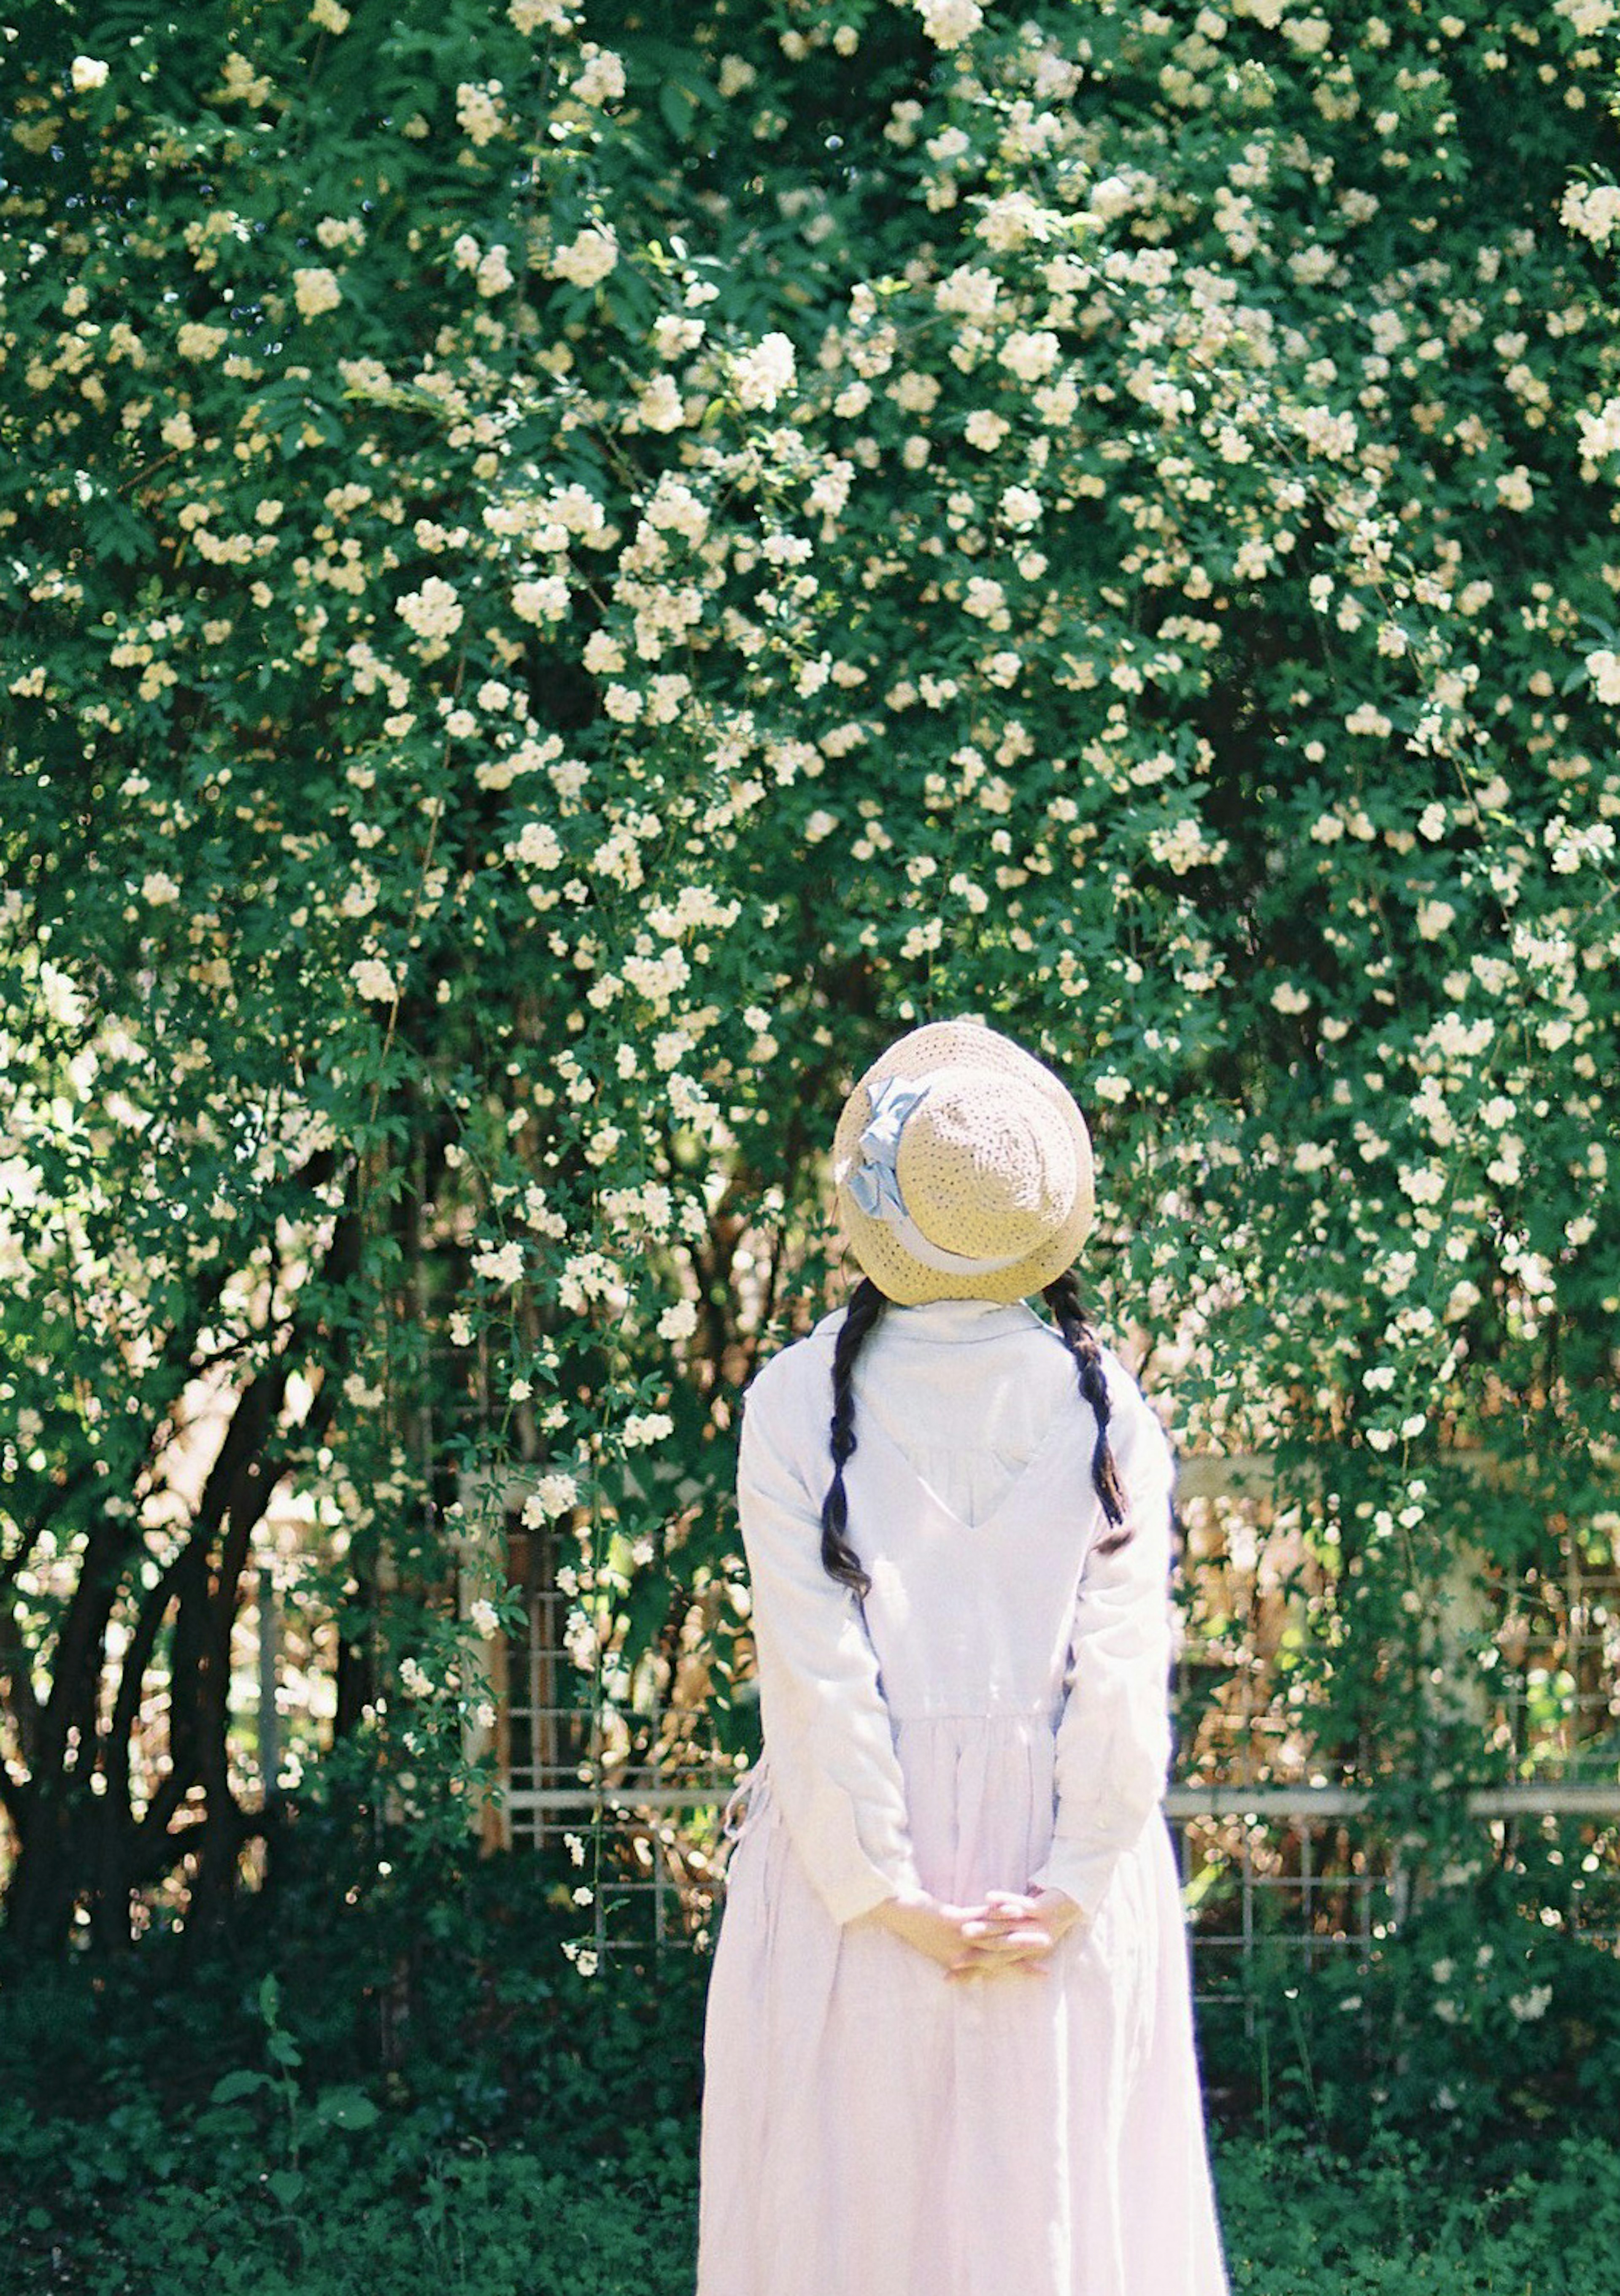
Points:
(995, 1714)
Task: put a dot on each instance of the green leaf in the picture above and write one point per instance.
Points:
(346, 2108)
(679, 107)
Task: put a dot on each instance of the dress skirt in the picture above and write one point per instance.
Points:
(873, 2128)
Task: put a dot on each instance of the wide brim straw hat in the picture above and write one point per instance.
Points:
(963, 1167)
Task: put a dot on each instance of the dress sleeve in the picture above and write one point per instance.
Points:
(829, 1742)
(1113, 1736)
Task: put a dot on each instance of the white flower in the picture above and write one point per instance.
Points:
(1529, 2006)
(553, 1494)
(196, 340)
(984, 429)
(949, 23)
(679, 1321)
(1180, 845)
(501, 1263)
(433, 611)
(239, 83)
(602, 81)
(1020, 505)
(1012, 220)
(478, 111)
(315, 290)
(1028, 355)
(87, 72)
(586, 259)
(969, 291)
(494, 273)
(1112, 1086)
(1599, 432)
(374, 979)
(659, 406)
(158, 889)
(538, 846)
(1603, 668)
(1287, 998)
(545, 601)
(541, 15)
(1591, 210)
(646, 1427)
(984, 597)
(1111, 198)
(763, 374)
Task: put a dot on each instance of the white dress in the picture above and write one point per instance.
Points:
(995, 1714)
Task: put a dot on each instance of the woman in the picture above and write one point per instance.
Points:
(949, 2047)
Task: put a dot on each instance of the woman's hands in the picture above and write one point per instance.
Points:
(1011, 1930)
(1015, 1930)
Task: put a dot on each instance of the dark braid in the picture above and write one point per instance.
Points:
(1062, 1298)
(867, 1304)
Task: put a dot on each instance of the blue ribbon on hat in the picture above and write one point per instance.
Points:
(873, 1183)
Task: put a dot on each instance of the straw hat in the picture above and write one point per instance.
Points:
(963, 1167)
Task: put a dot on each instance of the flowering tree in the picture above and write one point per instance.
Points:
(566, 578)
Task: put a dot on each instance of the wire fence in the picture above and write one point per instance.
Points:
(1275, 1862)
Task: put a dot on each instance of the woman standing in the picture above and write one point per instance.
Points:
(949, 2048)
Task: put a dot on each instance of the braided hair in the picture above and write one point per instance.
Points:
(867, 1304)
(839, 1558)
(1062, 1298)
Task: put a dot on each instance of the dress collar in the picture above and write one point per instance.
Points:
(957, 1319)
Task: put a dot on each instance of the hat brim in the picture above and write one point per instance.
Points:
(879, 1250)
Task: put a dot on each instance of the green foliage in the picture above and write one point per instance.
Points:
(420, 2089)
(1475, 2020)
(296, 2118)
(1398, 2217)
(568, 573)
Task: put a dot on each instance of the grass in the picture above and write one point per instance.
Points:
(377, 2208)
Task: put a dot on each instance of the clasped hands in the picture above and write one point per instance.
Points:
(1009, 1932)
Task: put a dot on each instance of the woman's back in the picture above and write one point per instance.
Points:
(973, 1511)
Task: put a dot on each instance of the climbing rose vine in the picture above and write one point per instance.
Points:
(568, 574)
